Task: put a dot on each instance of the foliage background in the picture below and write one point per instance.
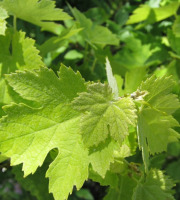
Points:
(139, 48)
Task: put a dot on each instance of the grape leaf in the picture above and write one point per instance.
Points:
(104, 156)
(101, 156)
(110, 179)
(159, 94)
(28, 134)
(16, 52)
(3, 16)
(174, 40)
(94, 34)
(155, 132)
(145, 12)
(41, 13)
(130, 57)
(155, 124)
(103, 115)
(155, 186)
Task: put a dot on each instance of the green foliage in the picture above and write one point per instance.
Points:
(112, 117)
(155, 186)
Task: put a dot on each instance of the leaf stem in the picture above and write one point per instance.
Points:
(94, 65)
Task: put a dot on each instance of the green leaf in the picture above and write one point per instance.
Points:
(3, 16)
(55, 42)
(103, 115)
(130, 57)
(53, 125)
(101, 156)
(159, 94)
(155, 122)
(16, 52)
(111, 79)
(84, 194)
(73, 54)
(173, 40)
(41, 13)
(94, 34)
(172, 170)
(133, 79)
(110, 179)
(155, 185)
(24, 55)
(139, 14)
(145, 12)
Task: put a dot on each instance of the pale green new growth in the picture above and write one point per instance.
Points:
(155, 186)
(41, 13)
(27, 134)
(3, 16)
(103, 115)
(111, 79)
(102, 155)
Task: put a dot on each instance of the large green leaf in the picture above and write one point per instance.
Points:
(28, 134)
(102, 115)
(41, 13)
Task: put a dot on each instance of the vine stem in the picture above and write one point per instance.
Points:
(15, 23)
(94, 65)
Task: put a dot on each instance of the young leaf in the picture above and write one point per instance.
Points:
(3, 16)
(103, 115)
(101, 156)
(40, 13)
(54, 125)
(111, 79)
(155, 186)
